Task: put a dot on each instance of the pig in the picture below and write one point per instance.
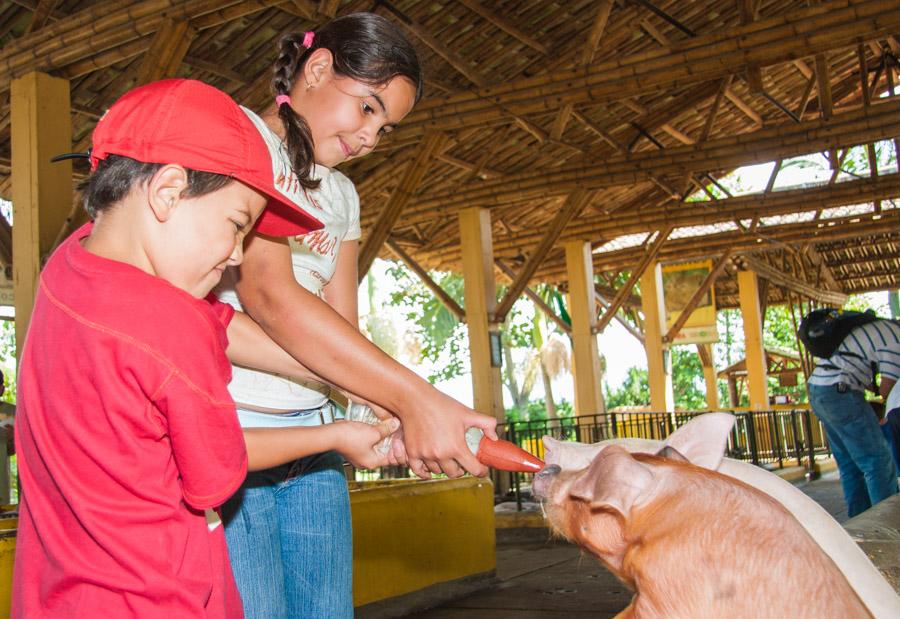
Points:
(694, 542)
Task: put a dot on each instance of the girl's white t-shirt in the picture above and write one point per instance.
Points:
(314, 257)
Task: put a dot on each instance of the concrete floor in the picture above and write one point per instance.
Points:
(539, 578)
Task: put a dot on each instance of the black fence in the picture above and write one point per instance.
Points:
(772, 439)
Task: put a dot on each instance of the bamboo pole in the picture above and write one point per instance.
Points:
(644, 219)
(792, 282)
(432, 145)
(880, 121)
(766, 42)
(448, 301)
(648, 257)
(536, 299)
(573, 205)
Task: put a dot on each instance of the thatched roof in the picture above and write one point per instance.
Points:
(586, 119)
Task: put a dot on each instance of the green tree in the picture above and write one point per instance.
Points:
(634, 390)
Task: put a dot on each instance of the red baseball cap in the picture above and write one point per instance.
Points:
(201, 128)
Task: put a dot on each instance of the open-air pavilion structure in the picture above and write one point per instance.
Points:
(556, 142)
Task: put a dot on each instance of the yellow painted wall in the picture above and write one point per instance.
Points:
(413, 535)
(7, 557)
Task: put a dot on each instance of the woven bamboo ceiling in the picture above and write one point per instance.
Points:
(585, 119)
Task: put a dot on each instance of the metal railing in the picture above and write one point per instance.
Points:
(773, 439)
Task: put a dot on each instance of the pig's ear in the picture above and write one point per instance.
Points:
(702, 440)
(551, 448)
(614, 480)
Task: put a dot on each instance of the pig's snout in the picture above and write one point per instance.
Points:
(543, 480)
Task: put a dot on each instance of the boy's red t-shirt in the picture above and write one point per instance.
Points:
(125, 434)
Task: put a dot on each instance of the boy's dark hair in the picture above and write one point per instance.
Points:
(366, 47)
(116, 175)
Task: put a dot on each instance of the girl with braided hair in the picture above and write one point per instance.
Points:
(337, 91)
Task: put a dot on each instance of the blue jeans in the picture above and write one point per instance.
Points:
(290, 542)
(863, 457)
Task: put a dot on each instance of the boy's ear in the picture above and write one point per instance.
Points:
(317, 67)
(165, 188)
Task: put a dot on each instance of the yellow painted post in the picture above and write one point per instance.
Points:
(41, 127)
(748, 290)
(659, 370)
(712, 389)
(481, 300)
(586, 357)
(709, 376)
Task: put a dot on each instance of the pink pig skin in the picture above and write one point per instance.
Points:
(703, 441)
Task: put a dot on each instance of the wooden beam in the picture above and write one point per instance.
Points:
(536, 299)
(448, 301)
(830, 282)
(823, 231)
(636, 273)
(823, 81)
(791, 282)
(597, 30)
(328, 8)
(769, 41)
(603, 303)
(107, 25)
(774, 175)
(170, 45)
(504, 24)
(378, 234)
(477, 169)
(880, 121)
(714, 109)
(748, 10)
(41, 15)
(573, 205)
(644, 217)
(695, 300)
(462, 66)
(744, 107)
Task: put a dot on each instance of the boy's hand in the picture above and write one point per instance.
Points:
(434, 438)
(357, 442)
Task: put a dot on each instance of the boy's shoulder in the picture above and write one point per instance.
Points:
(116, 300)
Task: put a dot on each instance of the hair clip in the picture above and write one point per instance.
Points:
(308, 38)
(282, 99)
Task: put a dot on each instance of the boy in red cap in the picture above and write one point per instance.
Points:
(126, 432)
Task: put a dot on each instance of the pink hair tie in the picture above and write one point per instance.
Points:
(282, 99)
(308, 39)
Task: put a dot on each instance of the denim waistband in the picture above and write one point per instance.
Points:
(328, 413)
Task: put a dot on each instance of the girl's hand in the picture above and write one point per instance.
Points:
(434, 437)
(357, 442)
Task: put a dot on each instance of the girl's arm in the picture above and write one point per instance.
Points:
(312, 332)
(341, 291)
(268, 447)
(249, 346)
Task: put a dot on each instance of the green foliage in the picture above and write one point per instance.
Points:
(536, 410)
(688, 383)
(634, 390)
(438, 330)
(8, 359)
